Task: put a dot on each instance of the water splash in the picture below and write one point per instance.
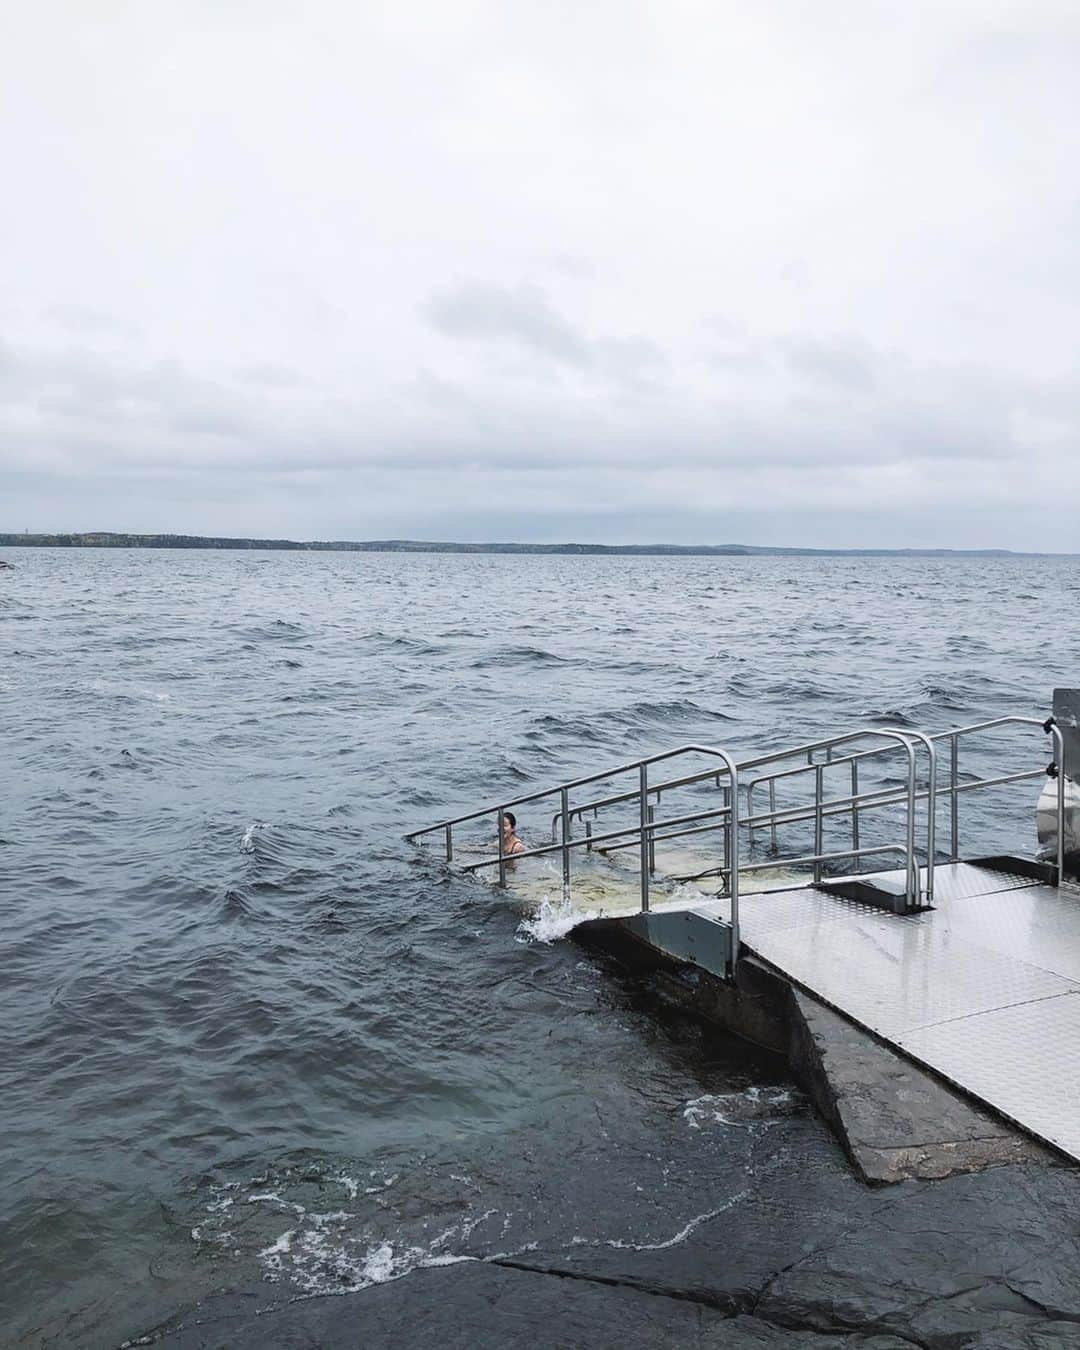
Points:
(553, 920)
(741, 1108)
(247, 842)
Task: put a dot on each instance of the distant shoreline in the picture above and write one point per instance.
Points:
(114, 540)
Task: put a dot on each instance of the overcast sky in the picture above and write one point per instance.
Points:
(684, 270)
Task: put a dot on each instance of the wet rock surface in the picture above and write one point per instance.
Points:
(795, 1253)
(645, 1215)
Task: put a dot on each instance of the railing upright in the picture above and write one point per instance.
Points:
(772, 808)
(564, 798)
(1059, 760)
(727, 830)
(502, 850)
(915, 895)
(643, 783)
(733, 871)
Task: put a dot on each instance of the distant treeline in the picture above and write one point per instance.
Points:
(101, 539)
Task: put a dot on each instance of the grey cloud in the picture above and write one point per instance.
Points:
(843, 362)
(523, 315)
(571, 265)
(161, 415)
(633, 360)
(85, 320)
(272, 375)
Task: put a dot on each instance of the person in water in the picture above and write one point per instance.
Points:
(510, 842)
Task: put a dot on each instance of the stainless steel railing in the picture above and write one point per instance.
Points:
(646, 831)
(858, 801)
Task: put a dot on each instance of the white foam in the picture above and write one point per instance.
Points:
(320, 1263)
(247, 842)
(740, 1108)
(553, 920)
(681, 1235)
(281, 1246)
(378, 1265)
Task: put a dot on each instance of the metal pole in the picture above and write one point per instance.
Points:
(772, 808)
(588, 835)
(727, 830)
(651, 811)
(854, 807)
(954, 804)
(565, 797)
(449, 843)
(1059, 759)
(819, 826)
(733, 874)
(931, 813)
(643, 806)
(912, 887)
(502, 855)
(750, 812)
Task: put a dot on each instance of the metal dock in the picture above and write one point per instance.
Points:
(969, 968)
(983, 990)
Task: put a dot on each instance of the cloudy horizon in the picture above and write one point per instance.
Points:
(621, 273)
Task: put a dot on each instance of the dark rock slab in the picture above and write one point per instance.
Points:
(979, 1255)
(463, 1307)
(979, 1261)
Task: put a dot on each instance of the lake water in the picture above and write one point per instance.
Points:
(249, 1033)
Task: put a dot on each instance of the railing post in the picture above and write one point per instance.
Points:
(643, 804)
(727, 830)
(588, 835)
(954, 804)
(733, 872)
(651, 812)
(931, 815)
(502, 854)
(1059, 760)
(855, 810)
(819, 825)
(912, 886)
(750, 813)
(565, 801)
(449, 843)
(772, 808)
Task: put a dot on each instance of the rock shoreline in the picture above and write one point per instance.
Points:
(967, 1241)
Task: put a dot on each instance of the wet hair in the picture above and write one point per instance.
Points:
(509, 815)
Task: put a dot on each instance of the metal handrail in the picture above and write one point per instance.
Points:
(705, 775)
(953, 736)
(647, 831)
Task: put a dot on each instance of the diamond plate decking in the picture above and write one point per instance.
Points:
(984, 989)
